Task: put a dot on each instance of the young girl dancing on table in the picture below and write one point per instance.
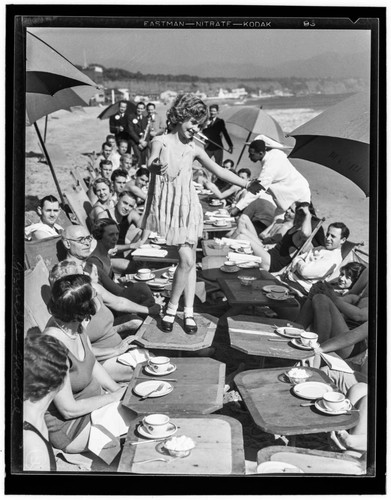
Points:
(172, 208)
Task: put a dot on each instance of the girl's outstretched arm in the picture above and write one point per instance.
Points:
(221, 172)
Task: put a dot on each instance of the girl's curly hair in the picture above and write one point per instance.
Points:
(72, 298)
(45, 365)
(186, 106)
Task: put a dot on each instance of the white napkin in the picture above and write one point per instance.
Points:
(134, 357)
(336, 363)
(231, 241)
(238, 258)
(107, 424)
(150, 252)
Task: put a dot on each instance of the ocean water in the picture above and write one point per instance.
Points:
(312, 101)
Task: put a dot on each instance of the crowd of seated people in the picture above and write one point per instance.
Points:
(94, 317)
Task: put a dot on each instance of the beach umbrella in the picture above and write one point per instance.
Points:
(338, 138)
(253, 121)
(114, 108)
(52, 83)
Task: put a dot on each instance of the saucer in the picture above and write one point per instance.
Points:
(311, 390)
(277, 297)
(232, 269)
(291, 335)
(248, 265)
(171, 369)
(275, 288)
(166, 275)
(219, 224)
(151, 277)
(216, 204)
(145, 387)
(158, 283)
(319, 405)
(297, 343)
(169, 432)
(159, 241)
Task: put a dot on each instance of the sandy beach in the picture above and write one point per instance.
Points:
(80, 132)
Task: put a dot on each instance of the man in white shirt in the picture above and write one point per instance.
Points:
(320, 263)
(48, 210)
(278, 177)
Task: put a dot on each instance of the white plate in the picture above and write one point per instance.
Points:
(218, 224)
(169, 432)
(277, 297)
(274, 467)
(216, 204)
(232, 269)
(146, 387)
(321, 407)
(151, 277)
(312, 390)
(158, 284)
(275, 288)
(171, 369)
(291, 335)
(297, 343)
(159, 242)
(248, 265)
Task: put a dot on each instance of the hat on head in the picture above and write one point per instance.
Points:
(269, 143)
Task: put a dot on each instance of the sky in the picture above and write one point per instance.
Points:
(185, 51)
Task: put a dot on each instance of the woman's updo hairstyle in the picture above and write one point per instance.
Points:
(186, 106)
(72, 298)
(45, 365)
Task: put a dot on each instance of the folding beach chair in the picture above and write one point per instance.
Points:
(79, 204)
(79, 179)
(50, 250)
(36, 296)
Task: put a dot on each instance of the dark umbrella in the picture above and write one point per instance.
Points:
(114, 108)
(253, 121)
(338, 138)
(52, 83)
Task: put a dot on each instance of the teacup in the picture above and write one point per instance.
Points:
(156, 424)
(159, 364)
(171, 271)
(144, 273)
(229, 264)
(309, 339)
(215, 202)
(335, 401)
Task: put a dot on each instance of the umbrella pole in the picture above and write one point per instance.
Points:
(49, 162)
(241, 153)
(46, 127)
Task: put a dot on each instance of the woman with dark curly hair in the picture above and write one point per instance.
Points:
(45, 368)
(68, 418)
(172, 208)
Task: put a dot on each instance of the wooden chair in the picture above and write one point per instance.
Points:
(79, 204)
(36, 296)
(79, 179)
(314, 461)
(50, 250)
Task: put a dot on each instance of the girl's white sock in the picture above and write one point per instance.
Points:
(188, 311)
(171, 309)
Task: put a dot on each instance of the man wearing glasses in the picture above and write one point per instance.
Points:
(78, 243)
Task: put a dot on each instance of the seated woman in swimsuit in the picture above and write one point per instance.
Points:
(106, 342)
(87, 385)
(45, 368)
(281, 255)
(103, 190)
(332, 316)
